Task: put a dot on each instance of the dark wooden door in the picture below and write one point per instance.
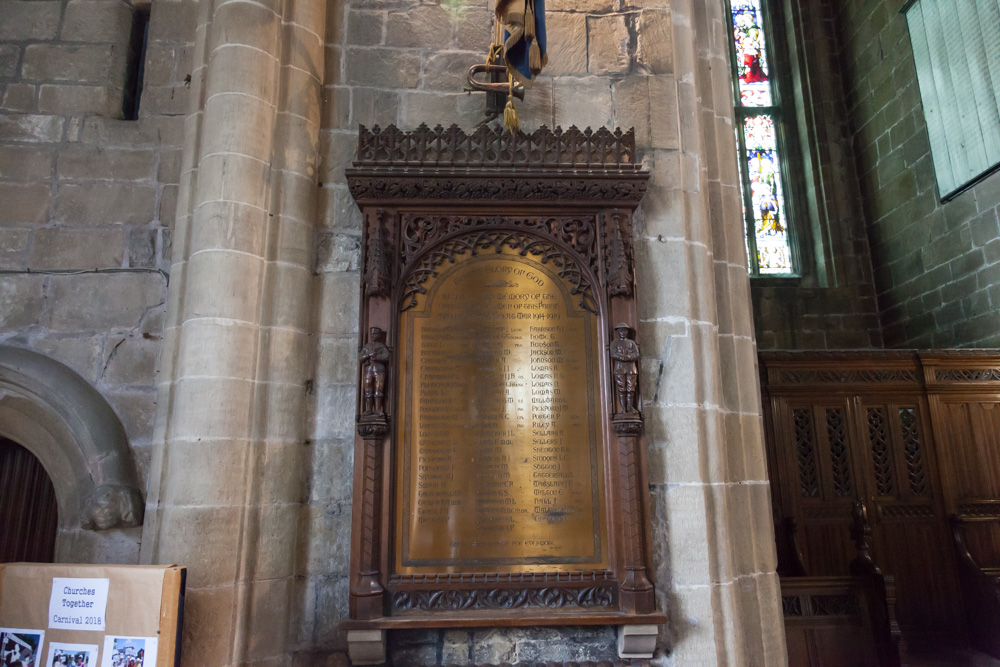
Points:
(834, 451)
(28, 511)
(819, 479)
(903, 491)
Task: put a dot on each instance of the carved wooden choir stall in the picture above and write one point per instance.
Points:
(915, 438)
(499, 463)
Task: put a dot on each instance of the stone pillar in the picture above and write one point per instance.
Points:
(712, 532)
(228, 475)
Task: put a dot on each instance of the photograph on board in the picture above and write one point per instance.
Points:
(21, 648)
(129, 652)
(72, 655)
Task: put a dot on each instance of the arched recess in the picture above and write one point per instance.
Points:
(54, 413)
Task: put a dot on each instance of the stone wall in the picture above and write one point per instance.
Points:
(937, 265)
(88, 201)
(832, 304)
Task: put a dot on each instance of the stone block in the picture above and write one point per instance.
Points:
(328, 526)
(584, 102)
(26, 203)
(172, 20)
(365, 28)
(97, 21)
(142, 248)
(100, 64)
(167, 209)
(655, 51)
(25, 163)
(337, 252)
(337, 152)
(29, 20)
(10, 56)
(19, 97)
(13, 244)
(370, 106)
(447, 71)
(89, 162)
(62, 249)
(637, 641)
(425, 26)
(168, 100)
(21, 301)
(223, 283)
(433, 108)
(587, 6)
(567, 43)
(130, 360)
(31, 128)
(77, 352)
(663, 112)
(105, 203)
(384, 68)
(473, 28)
(331, 596)
(335, 408)
(609, 45)
(631, 103)
(336, 108)
(103, 301)
(366, 647)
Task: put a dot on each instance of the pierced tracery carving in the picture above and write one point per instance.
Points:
(546, 251)
(838, 452)
(806, 448)
(878, 438)
(575, 232)
(913, 451)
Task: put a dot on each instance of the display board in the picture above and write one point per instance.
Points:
(90, 615)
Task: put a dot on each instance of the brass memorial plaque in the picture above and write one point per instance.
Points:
(500, 466)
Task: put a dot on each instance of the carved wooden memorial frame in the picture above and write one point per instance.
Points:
(463, 231)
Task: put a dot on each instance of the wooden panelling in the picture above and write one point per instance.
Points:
(916, 436)
(28, 513)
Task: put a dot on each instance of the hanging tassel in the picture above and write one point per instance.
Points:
(510, 116)
(510, 111)
(534, 58)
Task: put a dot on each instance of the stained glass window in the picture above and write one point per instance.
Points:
(758, 123)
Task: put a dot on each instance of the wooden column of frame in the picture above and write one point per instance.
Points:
(499, 474)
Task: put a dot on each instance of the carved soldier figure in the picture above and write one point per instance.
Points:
(625, 353)
(374, 357)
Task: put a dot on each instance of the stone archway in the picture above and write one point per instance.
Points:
(66, 423)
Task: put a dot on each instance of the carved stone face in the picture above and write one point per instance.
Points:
(377, 335)
(112, 507)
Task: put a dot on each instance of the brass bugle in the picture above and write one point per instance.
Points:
(501, 88)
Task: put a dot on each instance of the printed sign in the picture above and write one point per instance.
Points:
(78, 604)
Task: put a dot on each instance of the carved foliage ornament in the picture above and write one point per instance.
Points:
(499, 598)
(565, 264)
